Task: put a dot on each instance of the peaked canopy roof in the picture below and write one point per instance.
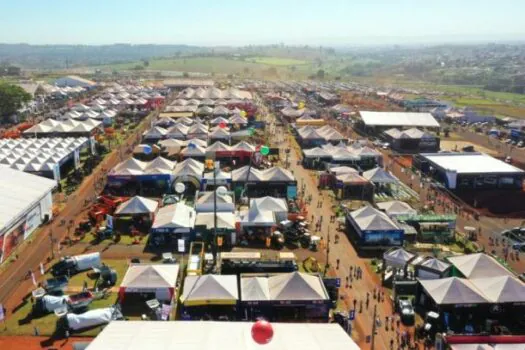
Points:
(396, 208)
(479, 265)
(296, 286)
(210, 289)
(453, 290)
(254, 289)
(137, 205)
(151, 276)
(174, 216)
(275, 174)
(501, 289)
(270, 203)
(379, 175)
(258, 217)
(435, 264)
(398, 256)
(338, 170)
(225, 220)
(371, 219)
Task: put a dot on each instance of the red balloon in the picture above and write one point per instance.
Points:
(262, 332)
(222, 125)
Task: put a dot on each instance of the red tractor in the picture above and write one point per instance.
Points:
(105, 205)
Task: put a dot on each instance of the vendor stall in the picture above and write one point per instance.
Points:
(173, 222)
(145, 282)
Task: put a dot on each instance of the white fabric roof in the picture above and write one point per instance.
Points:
(398, 119)
(137, 205)
(20, 192)
(224, 220)
(453, 290)
(207, 287)
(368, 218)
(296, 286)
(62, 126)
(191, 335)
(257, 217)
(379, 175)
(396, 208)
(255, 289)
(435, 264)
(151, 276)
(479, 265)
(501, 289)
(174, 216)
(270, 203)
(398, 257)
(343, 170)
(465, 163)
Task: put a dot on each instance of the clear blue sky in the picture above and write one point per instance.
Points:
(241, 22)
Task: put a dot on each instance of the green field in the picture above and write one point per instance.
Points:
(277, 61)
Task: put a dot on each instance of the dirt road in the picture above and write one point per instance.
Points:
(14, 284)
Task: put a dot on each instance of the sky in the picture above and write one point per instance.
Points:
(260, 22)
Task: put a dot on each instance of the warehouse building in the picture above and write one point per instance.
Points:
(377, 122)
(470, 170)
(26, 204)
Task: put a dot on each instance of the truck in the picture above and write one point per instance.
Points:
(70, 265)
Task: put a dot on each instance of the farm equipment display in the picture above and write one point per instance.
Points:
(105, 205)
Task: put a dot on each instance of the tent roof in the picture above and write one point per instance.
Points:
(270, 203)
(398, 119)
(501, 289)
(242, 175)
(349, 178)
(177, 215)
(278, 174)
(296, 286)
(453, 290)
(435, 264)
(225, 220)
(338, 170)
(254, 289)
(368, 218)
(186, 335)
(396, 207)
(479, 265)
(399, 255)
(151, 276)
(316, 152)
(256, 216)
(379, 175)
(243, 146)
(210, 287)
(137, 205)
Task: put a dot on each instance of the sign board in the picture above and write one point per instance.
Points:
(33, 219)
(77, 158)
(291, 192)
(181, 245)
(109, 221)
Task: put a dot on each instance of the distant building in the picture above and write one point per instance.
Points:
(10, 70)
(183, 83)
(75, 81)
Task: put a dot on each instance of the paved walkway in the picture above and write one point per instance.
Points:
(344, 251)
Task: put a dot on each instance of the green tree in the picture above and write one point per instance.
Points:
(185, 75)
(12, 97)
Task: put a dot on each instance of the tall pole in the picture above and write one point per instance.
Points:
(374, 326)
(214, 212)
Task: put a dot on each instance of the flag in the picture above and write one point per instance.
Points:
(2, 315)
(42, 270)
(33, 278)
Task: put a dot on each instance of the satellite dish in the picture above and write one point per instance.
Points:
(222, 191)
(180, 187)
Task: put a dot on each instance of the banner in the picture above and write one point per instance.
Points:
(181, 245)
(42, 270)
(33, 279)
(77, 158)
(2, 315)
(33, 219)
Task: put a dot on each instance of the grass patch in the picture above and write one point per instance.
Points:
(277, 61)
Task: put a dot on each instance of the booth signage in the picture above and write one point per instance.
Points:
(33, 219)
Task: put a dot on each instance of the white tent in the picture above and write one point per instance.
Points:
(258, 217)
(174, 218)
(453, 290)
(225, 220)
(371, 219)
(210, 290)
(205, 202)
(137, 205)
(435, 264)
(501, 289)
(159, 279)
(296, 286)
(339, 170)
(396, 208)
(277, 205)
(255, 289)
(479, 265)
(222, 177)
(379, 175)
(398, 257)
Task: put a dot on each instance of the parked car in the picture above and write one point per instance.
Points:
(406, 311)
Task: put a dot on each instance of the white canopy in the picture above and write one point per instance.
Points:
(225, 220)
(501, 289)
(296, 286)
(209, 287)
(436, 264)
(258, 217)
(398, 257)
(394, 208)
(371, 219)
(379, 175)
(137, 205)
(184, 335)
(143, 276)
(398, 119)
(174, 216)
(479, 265)
(453, 290)
(255, 289)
